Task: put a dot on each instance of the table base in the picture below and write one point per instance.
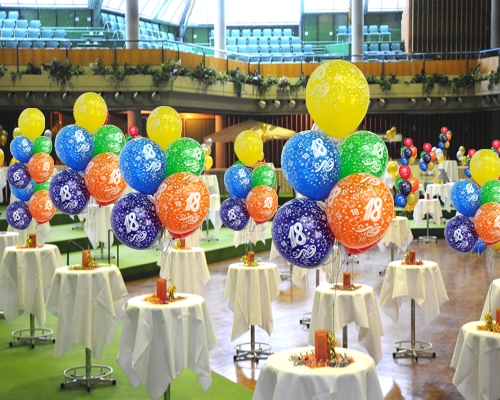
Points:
(306, 319)
(413, 349)
(427, 238)
(32, 335)
(100, 255)
(383, 269)
(77, 226)
(287, 275)
(101, 374)
(253, 350)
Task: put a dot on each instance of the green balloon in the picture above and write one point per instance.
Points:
(185, 155)
(363, 152)
(108, 139)
(42, 186)
(263, 175)
(490, 192)
(42, 144)
(238, 163)
(397, 182)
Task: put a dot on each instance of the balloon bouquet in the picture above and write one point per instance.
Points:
(406, 184)
(250, 185)
(29, 175)
(338, 173)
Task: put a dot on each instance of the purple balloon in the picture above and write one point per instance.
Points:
(18, 175)
(135, 222)
(460, 234)
(68, 192)
(18, 215)
(301, 233)
(234, 214)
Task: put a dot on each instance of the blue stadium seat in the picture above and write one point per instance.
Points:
(235, 33)
(22, 24)
(231, 41)
(374, 47)
(341, 33)
(285, 40)
(105, 20)
(246, 33)
(277, 32)
(35, 24)
(120, 20)
(385, 31)
(287, 32)
(9, 23)
(252, 49)
(373, 31)
(257, 32)
(365, 47)
(396, 47)
(3, 15)
(274, 40)
(171, 36)
(296, 48)
(253, 40)
(232, 48)
(366, 35)
(296, 40)
(385, 47)
(264, 40)
(112, 18)
(13, 15)
(22, 34)
(45, 34)
(267, 32)
(275, 49)
(61, 35)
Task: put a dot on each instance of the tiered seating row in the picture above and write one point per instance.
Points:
(370, 33)
(259, 36)
(33, 38)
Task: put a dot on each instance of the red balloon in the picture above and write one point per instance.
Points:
(405, 171)
(408, 142)
(495, 144)
(104, 204)
(444, 130)
(471, 153)
(182, 235)
(427, 147)
(360, 250)
(133, 130)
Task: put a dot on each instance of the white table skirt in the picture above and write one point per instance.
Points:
(451, 169)
(281, 380)
(98, 223)
(25, 276)
(42, 231)
(252, 233)
(358, 306)
(88, 305)
(423, 283)
(399, 233)
(187, 269)
(250, 292)
(443, 191)
(159, 341)
(425, 206)
(299, 275)
(476, 360)
(213, 187)
(8, 239)
(492, 301)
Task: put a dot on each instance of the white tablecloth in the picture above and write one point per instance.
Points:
(399, 233)
(213, 187)
(25, 276)
(476, 360)
(443, 191)
(281, 380)
(88, 305)
(250, 292)
(424, 206)
(159, 341)
(358, 306)
(252, 233)
(187, 268)
(451, 169)
(98, 223)
(8, 239)
(42, 231)
(3, 181)
(299, 275)
(492, 301)
(423, 283)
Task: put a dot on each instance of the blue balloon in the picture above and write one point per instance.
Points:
(460, 234)
(466, 197)
(467, 172)
(441, 145)
(238, 180)
(404, 161)
(21, 148)
(26, 193)
(234, 214)
(408, 152)
(135, 222)
(143, 165)
(311, 164)
(400, 200)
(18, 215)
(68, 192)
(18, 175)
(404, 187)
(301, 233)
(423, 166)
(480, 246)
(74, 147)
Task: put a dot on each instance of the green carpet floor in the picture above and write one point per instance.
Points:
(34, 373)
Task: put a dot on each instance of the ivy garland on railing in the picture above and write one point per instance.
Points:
(385, 82)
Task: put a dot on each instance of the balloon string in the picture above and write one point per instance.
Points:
(170, 257)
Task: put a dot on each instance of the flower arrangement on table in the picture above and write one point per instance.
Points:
(163, 295)
(490, 325)
(249, 260)
(181, 245)
(30, 243)
(411, 259)
(88, 262)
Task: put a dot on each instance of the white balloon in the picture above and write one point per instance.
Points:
(208, 142)
(439, 153)
(48, 133)
(459, 155)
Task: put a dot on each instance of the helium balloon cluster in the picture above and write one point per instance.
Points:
(207, 151)
(462, 159)
(250, 188)
(406, 184)
(29, 175)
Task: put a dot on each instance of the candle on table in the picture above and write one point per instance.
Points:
(85, 258)
(161, 288)
(33, 240)
(498, 316)
(346, 279)
(250, 257)
(321, 344)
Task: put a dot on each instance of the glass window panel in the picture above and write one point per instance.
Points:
(385, 5)
(172, 11)
(326, 5)
(51, 3)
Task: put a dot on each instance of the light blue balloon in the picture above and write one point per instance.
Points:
(466, 197)
(74, 147)
(311, 164)
(26, 193)
(21, 148)
(238, 180)
(480, 246)
(143, 165)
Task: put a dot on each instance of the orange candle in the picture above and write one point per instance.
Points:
(498, 316)
(346, 279)
(183, 243)
(33, 240)
(413, 257)
(428, 196)
(321, 344)
(161, 288)
(85, 258)
(250, 257)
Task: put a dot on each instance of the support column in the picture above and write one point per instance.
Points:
(134, 119)
(220, 148)
(495, 24)
(132, 23)
(495, 123)
(357, 31)
(220, 29)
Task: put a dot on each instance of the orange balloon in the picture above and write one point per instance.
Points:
(41, 207)
(487, 223)
(262, 203)
(449, 135)
(103, 178)
(414, 184)
(182, 202)
(40, 167)
(413, 151)
(360, 210)
(433, 155)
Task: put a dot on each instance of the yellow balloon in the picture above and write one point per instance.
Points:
(412, 199)
(409, 208)
(484, 166)
(31, 123)
(164, 125)
(392, 168)
(430, 166)
(337, 97)
(440, 159)
(248, 147)
(446, 145)
(261, 157)
(390, 134)
(209, 162)
(90, 111)
(462, 149)
(2, 157)
(3, 140)
(411, 160)
(495, 246)
(207, 151)
(16, 132)
(13, 161)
